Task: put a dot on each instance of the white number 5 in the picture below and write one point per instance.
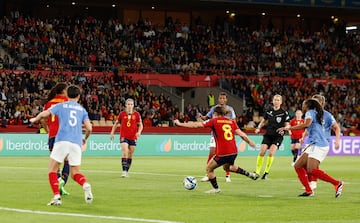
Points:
(73, 119)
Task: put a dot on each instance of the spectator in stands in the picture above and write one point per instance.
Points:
(148, 120)
(111, 116)
(12, 120)
(94, 115)
(241, 122)
(3, 122)
(211, 99)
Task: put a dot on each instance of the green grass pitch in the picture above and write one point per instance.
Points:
(154, 193)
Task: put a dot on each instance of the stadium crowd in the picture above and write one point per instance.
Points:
(22, 97)
(219, 48)
(223, 49)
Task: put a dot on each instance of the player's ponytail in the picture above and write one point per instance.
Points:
(315, 105)
(57, 89)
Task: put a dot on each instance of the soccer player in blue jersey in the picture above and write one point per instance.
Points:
(318, 147)
(329, 124)
(68, 142)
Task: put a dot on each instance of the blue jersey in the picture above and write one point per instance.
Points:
(71, 117)
(316, 131)
(329, 121)
(230, 115)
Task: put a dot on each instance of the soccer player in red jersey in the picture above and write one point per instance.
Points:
(224, 131)
(222, 102)
(131, 127)
(296, 135)
(51, 124)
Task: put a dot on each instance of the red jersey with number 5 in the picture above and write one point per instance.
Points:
(223, 130)
(53, 121)
(129, 124)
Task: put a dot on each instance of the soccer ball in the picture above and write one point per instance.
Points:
(190, 183)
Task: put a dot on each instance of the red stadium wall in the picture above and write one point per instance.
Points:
(179, 80)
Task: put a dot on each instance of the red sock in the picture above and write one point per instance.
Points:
(54, 183)
(211, 155)
(312, 178)
(301, 172)
(227, 173)
(80, 179)
(324, 176)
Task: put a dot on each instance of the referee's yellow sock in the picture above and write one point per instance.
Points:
(269, 162)
(259, 163)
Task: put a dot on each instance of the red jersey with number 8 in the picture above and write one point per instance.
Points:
(223, 130)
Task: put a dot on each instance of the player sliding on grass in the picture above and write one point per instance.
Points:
(224, 131)
(318, 147)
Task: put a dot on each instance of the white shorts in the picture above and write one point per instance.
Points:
(212, 142)
(317, 152)
(65, 149)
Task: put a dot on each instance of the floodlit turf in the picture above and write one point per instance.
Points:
(154, 193)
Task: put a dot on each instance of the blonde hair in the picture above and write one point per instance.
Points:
(129, 99)
(278, 96)
(127, 108)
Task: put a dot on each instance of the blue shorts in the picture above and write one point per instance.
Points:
(51, 142)
(294, 141)
(128, 141)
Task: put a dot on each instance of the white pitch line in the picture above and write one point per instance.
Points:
(85, 215)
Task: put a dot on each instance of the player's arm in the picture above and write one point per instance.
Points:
(189, 124)
(262, 123)
(208, 115)
(336, 128)
(245, 137)
(287, 125)
(41, 115)
(305, 125)
(140, 128)
(203, 117)
(113, 129)
(44, 123)
(303, 135)
(290, 133)
(88, 128)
